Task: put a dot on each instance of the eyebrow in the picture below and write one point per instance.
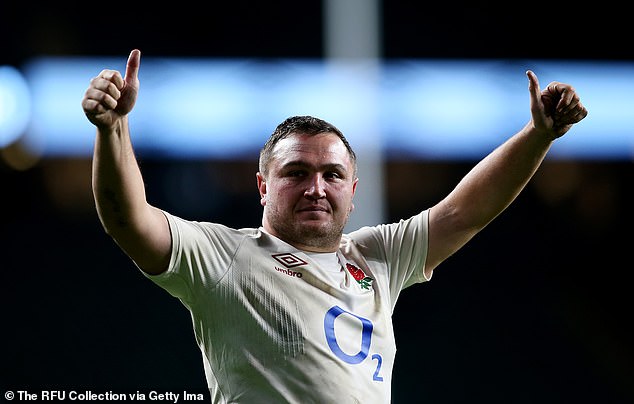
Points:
(327, 167)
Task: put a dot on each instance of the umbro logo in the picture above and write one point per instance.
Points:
(288, 260)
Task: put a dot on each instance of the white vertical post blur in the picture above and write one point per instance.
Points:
(352, 43)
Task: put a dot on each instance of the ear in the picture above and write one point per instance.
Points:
(354, 190)
(261, 188)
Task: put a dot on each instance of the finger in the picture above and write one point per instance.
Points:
(101, 97)
(106, 86)
(93, 107)
(573, 116)
(569, 101)
(581, 114)
(112, 76)
(132, 67)
(565, 93)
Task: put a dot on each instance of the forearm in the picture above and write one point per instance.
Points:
(118, 186)
(495, 182)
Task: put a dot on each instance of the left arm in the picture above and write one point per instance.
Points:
(495, 181)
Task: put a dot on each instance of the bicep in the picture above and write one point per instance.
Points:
(448, 232)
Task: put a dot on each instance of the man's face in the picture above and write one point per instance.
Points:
(307, 195)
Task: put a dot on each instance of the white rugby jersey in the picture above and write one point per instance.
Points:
(276, 324)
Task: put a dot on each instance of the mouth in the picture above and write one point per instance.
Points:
(313, 209)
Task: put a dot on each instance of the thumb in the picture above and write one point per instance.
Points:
(130, 84)
(533, 89)
(132, 67)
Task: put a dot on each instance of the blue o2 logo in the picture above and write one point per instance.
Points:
(366, 339)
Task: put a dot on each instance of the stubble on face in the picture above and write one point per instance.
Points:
(314, 236)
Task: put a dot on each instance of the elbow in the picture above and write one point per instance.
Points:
(462, 220)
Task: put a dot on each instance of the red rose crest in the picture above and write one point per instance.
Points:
(359, 276)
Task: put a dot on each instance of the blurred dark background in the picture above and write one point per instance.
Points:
(536, 309)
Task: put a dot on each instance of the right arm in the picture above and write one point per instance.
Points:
(140, 229)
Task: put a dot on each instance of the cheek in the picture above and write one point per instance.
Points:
(277, 196)
(345, 192)
(286, 191)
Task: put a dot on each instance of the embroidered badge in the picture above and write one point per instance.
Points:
(359, 276)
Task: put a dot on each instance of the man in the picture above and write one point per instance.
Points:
(295, 311)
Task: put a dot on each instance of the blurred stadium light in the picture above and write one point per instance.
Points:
(15, 108)
(222, 108)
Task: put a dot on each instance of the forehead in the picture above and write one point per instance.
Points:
(324, 147)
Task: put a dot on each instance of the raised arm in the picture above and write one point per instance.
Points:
(140, 229)
(495, 181)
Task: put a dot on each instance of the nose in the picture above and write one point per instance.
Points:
(315, 188)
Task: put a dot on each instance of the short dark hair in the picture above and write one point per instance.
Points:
(305, 125)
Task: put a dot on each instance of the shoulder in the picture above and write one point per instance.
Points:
(186, 229)
(369, 239)
(413, 224)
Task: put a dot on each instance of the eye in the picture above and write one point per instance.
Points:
(332, 175)
(296, 173)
